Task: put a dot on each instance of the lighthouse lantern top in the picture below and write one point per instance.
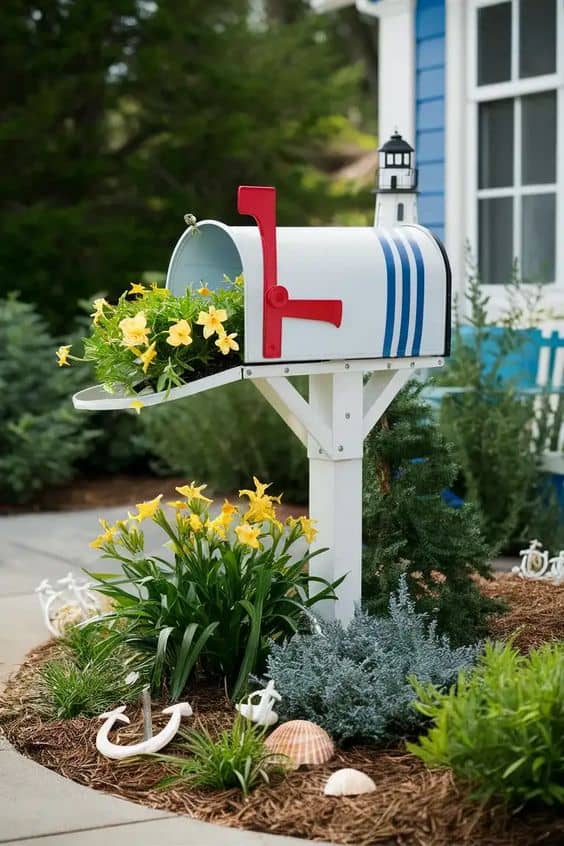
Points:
(397, 165)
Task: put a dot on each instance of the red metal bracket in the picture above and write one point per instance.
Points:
(260, 203)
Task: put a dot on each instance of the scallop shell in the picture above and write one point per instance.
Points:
(301, 741)
(348, 782)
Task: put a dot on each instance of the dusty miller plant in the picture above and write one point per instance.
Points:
(353, 681)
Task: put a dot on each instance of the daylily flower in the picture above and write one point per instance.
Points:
(227, 511)
(306, 524)
(137, 405)
(99, 306)
(147, 356)
(147, 509)
(212, 321)
(193, 492)
(217, 526)
(179, 334)
(260, 503)
(106, 537)
(178, 504)
(247, 536)
(239, 280)
(137, 288)
(134, 330)
(226, 343)
(63, 354)
(204, 291)
(195, 523)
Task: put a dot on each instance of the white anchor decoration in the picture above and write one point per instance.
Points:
(72, 594)
(262, 713)
(536, 565)
(152, 744)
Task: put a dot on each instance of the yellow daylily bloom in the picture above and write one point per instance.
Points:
(106, 537)
(178, 504)
(239, 280)
(247, 536)
(217, 526)
(147, 356)
(137, 405)
(62, 355)
(308, 528)
(134, 330)
(226, 343)
(212, 321)
(259, 510)
(228, 510)
(195, 523)
(99, 306)
(146, 510)
(204, 291)
(137, 288)
(193, 491)
(179, 334)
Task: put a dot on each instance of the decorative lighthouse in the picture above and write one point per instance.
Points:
(396, 194)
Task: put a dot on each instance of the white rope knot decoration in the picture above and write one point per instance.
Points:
(537, 566)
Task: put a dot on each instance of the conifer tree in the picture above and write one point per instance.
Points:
(411, 527)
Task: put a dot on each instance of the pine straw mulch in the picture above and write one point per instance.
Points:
(411, 807)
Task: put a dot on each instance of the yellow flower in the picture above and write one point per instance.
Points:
(178, 504)
(308, 528)
(162, 292)
(147, 356)
(217, 526)
(212, 321)
(106, 537)
(195, 523)
(239, 280)
(227, 511)
(99, 306)
(247, 536)
(137, 288)
(260, 503)
(193, 492)
(204, 291)
(147, 509)
(226, 343)
(134, 330)
(63, 354)
(137, 405)
(179, 334)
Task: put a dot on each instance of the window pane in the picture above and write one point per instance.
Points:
(496, 240)
(494, 43)
(539, 138)
(539, 229)
(537, 25)
(496, 144)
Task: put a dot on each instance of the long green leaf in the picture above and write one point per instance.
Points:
(187, 657)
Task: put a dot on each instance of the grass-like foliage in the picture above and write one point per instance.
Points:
(236, 758)
(501, 728)
(233, 583)
(89, 677)
(150, 338)
(354, 681)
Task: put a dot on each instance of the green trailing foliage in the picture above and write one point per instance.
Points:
(501, 728)
(410, 529)
(354, 681)
(492, 427)
(42, 439)
(236, 758)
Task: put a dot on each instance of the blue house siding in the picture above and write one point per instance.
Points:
(430, 112)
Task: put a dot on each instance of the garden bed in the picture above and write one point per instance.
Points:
(412, 805)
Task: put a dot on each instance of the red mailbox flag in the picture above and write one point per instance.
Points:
(260, 203)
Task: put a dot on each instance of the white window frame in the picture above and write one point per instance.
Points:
(553, 292)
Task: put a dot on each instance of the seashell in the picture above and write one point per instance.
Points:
(302, 742)
(348, 782)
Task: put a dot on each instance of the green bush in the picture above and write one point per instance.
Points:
(353, 681)
(228, 591)
(41, 437)
(237, 758)
(226, 436)
(501, 728)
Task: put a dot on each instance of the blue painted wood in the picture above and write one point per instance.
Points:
(430, 111)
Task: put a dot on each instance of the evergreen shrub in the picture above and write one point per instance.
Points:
(501, 728)
(354, 681)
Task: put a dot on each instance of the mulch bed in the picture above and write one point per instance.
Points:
(411, 807)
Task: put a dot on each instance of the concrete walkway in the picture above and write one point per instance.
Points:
(39, 807)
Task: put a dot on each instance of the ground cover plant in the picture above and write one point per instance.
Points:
(410, 527)
(501, 728)
(151, 338)
(354, 681)
(231, 584)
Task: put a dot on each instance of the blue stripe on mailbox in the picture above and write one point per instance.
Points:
(405, 295)
(420, 300)
(391, 294)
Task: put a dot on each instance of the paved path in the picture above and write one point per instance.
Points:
(39, 807)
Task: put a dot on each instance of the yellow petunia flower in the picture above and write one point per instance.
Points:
(134, 330)
(193, 491)
(212, 321)
(195, 523)
(148, 356)
(137, 288)
(146, 510)
(137, 405)
(248, 536)
(106, 537)
(226, 343)
(204, 291)
(62, 355)
(99, 306)
(179, 334)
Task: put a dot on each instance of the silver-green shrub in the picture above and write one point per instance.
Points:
(353, 681)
